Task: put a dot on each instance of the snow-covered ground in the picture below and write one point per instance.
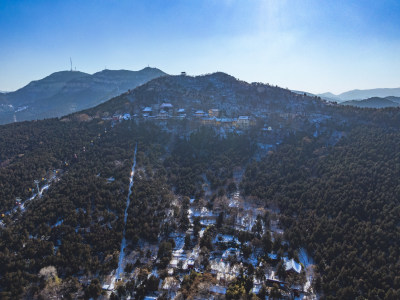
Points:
(304, 258)
(265, 146)
(128, 201)
(223, 270)
(58, 223)
(226, 238)
(234, 201)
(275, 228)
(22, 205)
(109, 284)
(203, 212)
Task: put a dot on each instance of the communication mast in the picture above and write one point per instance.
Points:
(70, 60)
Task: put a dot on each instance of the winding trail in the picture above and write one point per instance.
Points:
(128, 201)
(22, 206)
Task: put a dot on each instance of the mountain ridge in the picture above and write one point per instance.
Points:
(375, 102)
(358, 94)
(200, 94)
(65, 92)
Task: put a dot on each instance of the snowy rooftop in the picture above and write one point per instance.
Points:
(230, 251)
(109, 287)
(166, 105)
(226, 120)
(292, 265)
(272, 256)
(218, 289)
(203, 212)
(170, 283)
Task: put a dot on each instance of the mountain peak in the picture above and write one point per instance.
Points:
(145, 71)
(64, 75)
(65, 92)
(150, 69)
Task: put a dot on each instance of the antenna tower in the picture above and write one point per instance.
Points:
(70, 60)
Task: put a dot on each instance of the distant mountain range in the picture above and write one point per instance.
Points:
(65, 92)
(375, 102)
(361, 94)
(373, 98)
(330, 97)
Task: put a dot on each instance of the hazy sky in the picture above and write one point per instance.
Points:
(310, 45)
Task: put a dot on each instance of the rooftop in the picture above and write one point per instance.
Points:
(166, 105)
(292, 265)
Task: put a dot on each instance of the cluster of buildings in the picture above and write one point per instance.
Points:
(166, 111)
(227, 258)
(212, 116)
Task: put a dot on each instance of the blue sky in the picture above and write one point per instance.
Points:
(310, 45)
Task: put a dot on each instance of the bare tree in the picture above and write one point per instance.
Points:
(48, 272)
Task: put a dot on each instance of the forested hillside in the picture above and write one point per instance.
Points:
(300, 200)
(218, 90)
(342, 202)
